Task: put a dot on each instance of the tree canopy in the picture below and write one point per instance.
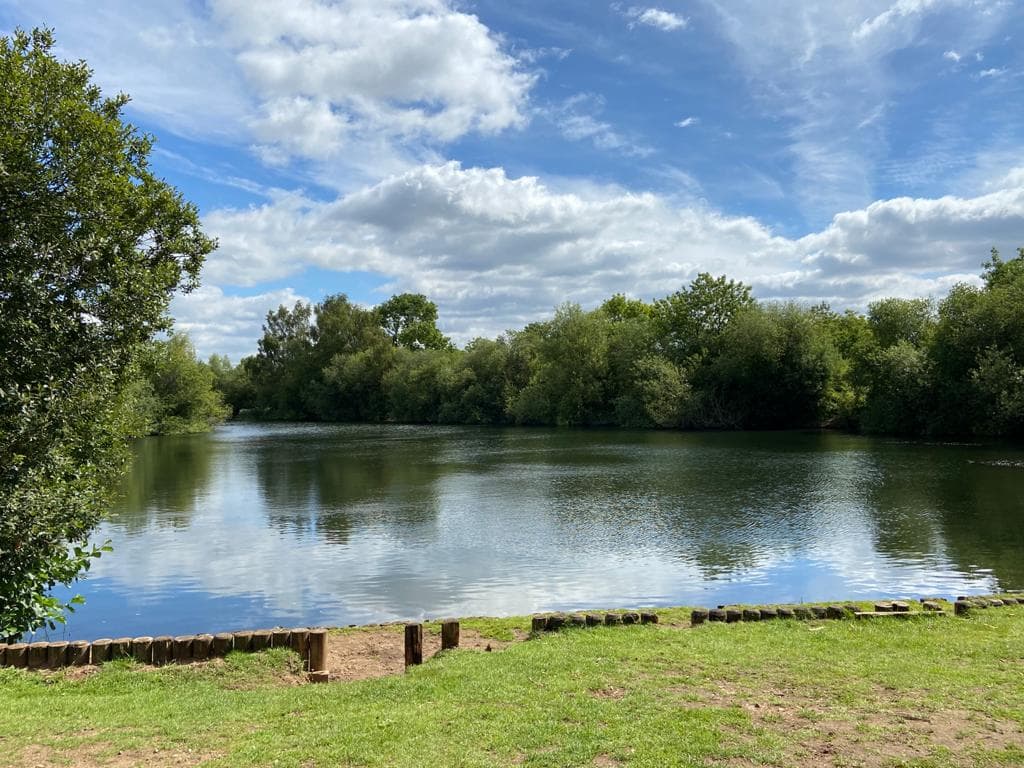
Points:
(93, 245)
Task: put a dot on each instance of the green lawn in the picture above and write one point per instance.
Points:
(918, 692)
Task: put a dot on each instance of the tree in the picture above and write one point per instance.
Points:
(410, 320)
(175, 392)
(93, 245)
(691, 321)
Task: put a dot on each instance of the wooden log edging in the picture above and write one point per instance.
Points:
(158, 651)
(552, 622)
(930, 606)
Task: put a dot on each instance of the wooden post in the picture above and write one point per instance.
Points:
(57, 655)
(769, 613)
(17, 655)
(835, 612)
(79, 653)
(163, 650)
(223, 644)
(3, 655)
(961, 607)
(37, 655)
(260, 640)
(300, 643)
(698, 616)
(751, 614)
(786, 613)
(201, 647)
(449, 635)
(555, 622)
(594, 620)
(243, 641)
(631, 618)
(577, 620)
(413, 644)
(101, 650)
(538, 623)
(716, 614)
(318, 650)
(182, 649)
(649, 617)
(280, 638)
(121, 648)
(612, 619)
(732, 615)
(142, 649)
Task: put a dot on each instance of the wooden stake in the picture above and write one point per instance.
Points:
(163, 650)
(37, 655)
(223, 644)
(142, 649)
(449, 635)
(57, 655)
(317, 650)
(79, 653)
(413, 644)
(201, 647)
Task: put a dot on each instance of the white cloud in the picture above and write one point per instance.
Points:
(686, 122)
(993, 72)
(655, 17)
(496, 252)
(577, 121)
(952, 56)
(894, 15)
(223, 324)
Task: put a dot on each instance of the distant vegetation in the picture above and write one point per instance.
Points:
(706, 357)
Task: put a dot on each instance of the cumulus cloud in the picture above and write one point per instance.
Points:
(686, 122)
(497, 252)
(952, 56)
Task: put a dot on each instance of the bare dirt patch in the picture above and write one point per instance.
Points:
(370, 653)
(101, 755)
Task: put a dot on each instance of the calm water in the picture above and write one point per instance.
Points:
(257, 525)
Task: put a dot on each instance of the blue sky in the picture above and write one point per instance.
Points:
(504, 157)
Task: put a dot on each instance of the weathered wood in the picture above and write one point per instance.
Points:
(698, 616)
(931, 605)
(802, 612)
(300, 644)
(819, 611)
(961, 607)
(142, 649)
(3, 654)
(716, 614)
(648, 617)
(223, 644)
(594, 619)
(57, 655)
(555, 622)
(201, 646)
(786, 613)
(732, 615)
(751, 614)
(883, 607)
(577, 620)
(37, 655)
(120, 648)
(163, 650)
(79, 653)
(835, 612)
(318, 649)
(17, 655)
(101, 650)
(612, 619)
(280, 638)
(896, 614)
(450, 634)
(243, 641)
(996, 602)
(631, 617)
(899, 606)
(182, 649)
(260, 640)
(769, 613)
(413, 644)
(538, 623)
(321, 676)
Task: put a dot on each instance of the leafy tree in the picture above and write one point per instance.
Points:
(284, 363)
(234, 382)
(175, 393)
(898, 394)
(691, 321)
(93, 247)
(410, 320)
(620, 308)
(896, 320)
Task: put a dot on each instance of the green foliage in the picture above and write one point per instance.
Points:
(691, 321)
(895, 320)
(175, 393)
(410, 320)
(93, 246)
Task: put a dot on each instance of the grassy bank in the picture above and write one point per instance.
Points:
(918, 692)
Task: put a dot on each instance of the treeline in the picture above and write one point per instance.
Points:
(706, 357)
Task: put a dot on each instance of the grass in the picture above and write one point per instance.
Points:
(926, 693)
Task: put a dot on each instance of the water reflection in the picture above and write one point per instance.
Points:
(264, 524)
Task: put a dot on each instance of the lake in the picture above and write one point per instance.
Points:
(255, 525)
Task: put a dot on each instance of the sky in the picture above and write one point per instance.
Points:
(506, 156)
